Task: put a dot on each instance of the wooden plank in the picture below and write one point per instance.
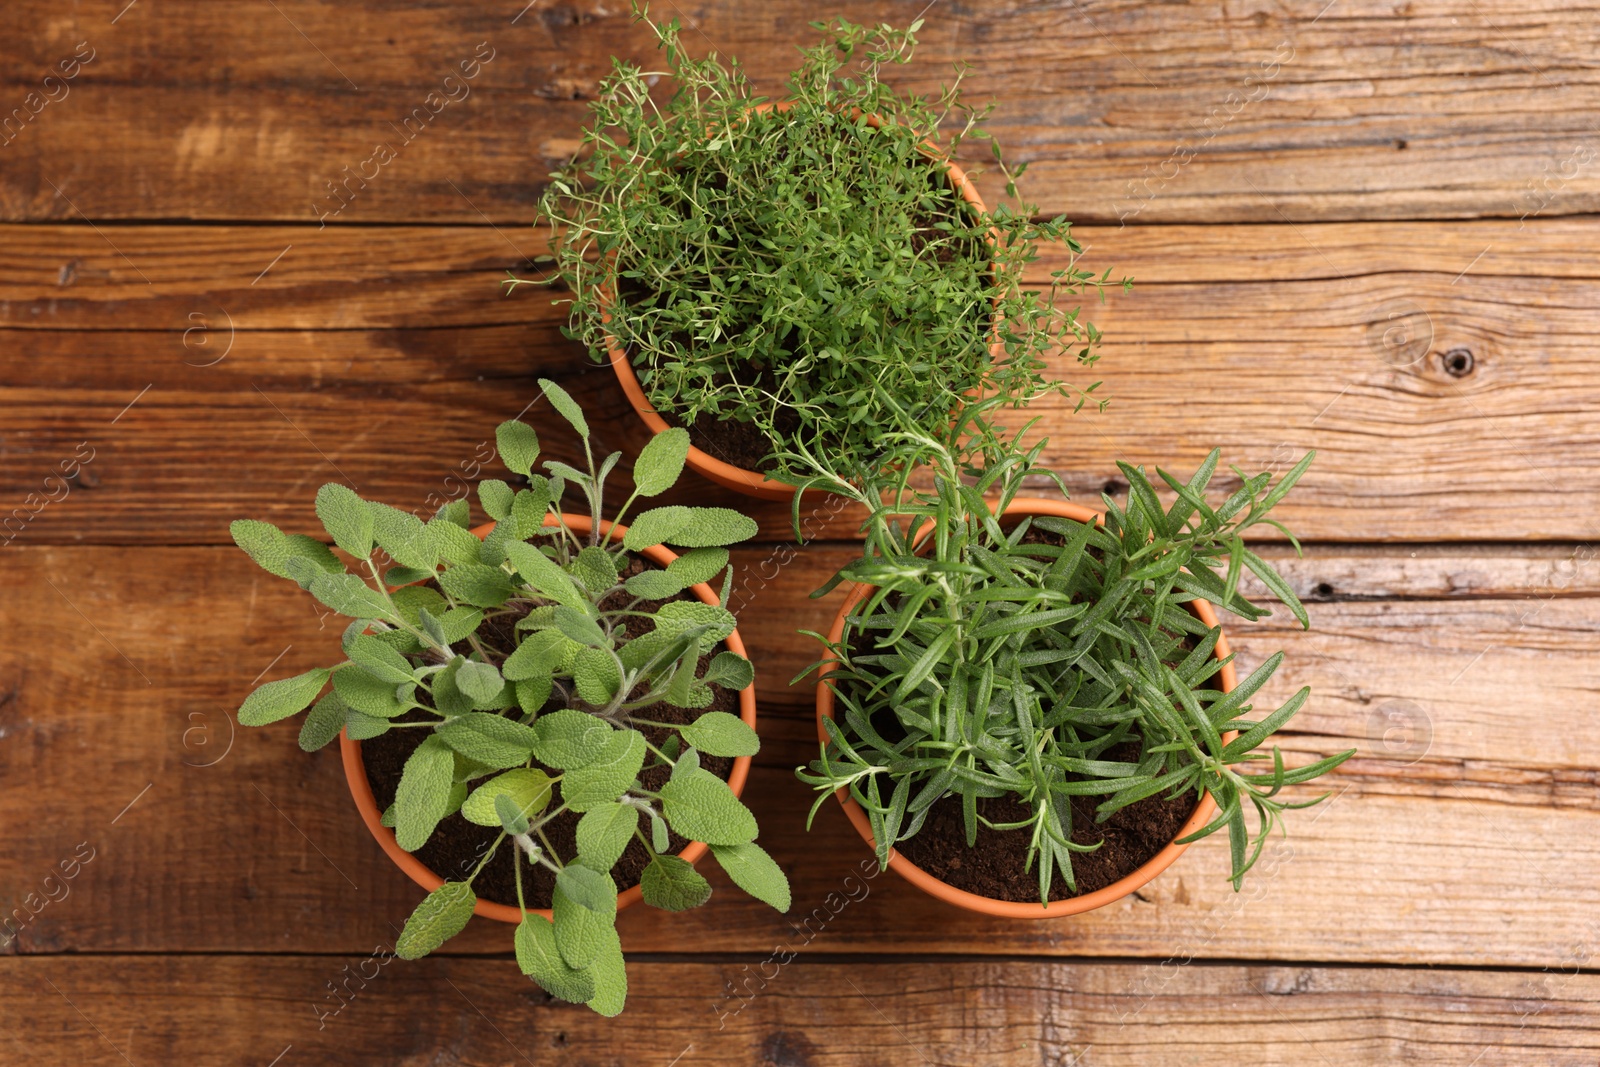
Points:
(284, 277)
(232, 1009)
(417, 335)
(1126, 110)
(236, 841)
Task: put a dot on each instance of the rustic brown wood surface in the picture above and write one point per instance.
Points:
(1358, 227)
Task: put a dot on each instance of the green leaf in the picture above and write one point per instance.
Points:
(570, 738)
(402, 641)
(655, 527)
(596, 675)
(296, 557)
(512, 821)
(448, 700)
(379, 659)
(349, 596)
(493, 549)
(528, 789)
(655, 585)
(751, 869)
(518, 446)
(713, 526)
(590, 889)
(477, 583)
(359, 726)
(539, 656)
(1279, 588)
(455, 544)
(262, 542)
(406, 538)
(699, 565)
(596, 568)
(1264, 729)
(281, 699)
(580, 627)
(323, 723)
(366, 694)
(926, 664)
(540, 959)
(660, 461)
(457, 623)
(580, 928)
(608, 775)
(604, 833)
(716, 733)
(671, 884)
(533, 693)
(682, 615)
(1032, 620)
(730, 670)
(1286, 483)
(702, 807)
(347, 519)
(542, 573)
(443, 914)
(529, 505)
(610, 975)
(410, 601)
(493, 740)
(496, 497)
(404, 576)
(308, 559)
(454, 513)
(423, 796)
(568, 407)
(480, 681)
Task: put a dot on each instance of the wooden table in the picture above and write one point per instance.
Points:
(1356, 227)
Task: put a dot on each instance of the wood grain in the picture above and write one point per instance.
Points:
(1154, 113)
(303, 377)
(232, 1009)
(282, 277)
(1455, 828)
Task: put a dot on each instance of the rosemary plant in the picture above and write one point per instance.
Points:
(513, 654)
(808, 270)
(997, 658)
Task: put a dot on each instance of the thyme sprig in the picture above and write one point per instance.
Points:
(809, 268)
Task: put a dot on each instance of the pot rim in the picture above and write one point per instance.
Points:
(355, 771)
(723, 473)
(1011, 909)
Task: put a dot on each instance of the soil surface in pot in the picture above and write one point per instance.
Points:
(457, 845)
(741, 444)
(994, 868)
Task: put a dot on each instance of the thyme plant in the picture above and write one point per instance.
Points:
(513, 653)
(802, 269)
(997, 658)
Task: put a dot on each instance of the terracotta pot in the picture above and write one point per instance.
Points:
(1010, 909)
(726, 474)
(356, 773)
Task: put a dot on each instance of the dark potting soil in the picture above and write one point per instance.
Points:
(456, 846)
(742, 444)
(996, 867)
